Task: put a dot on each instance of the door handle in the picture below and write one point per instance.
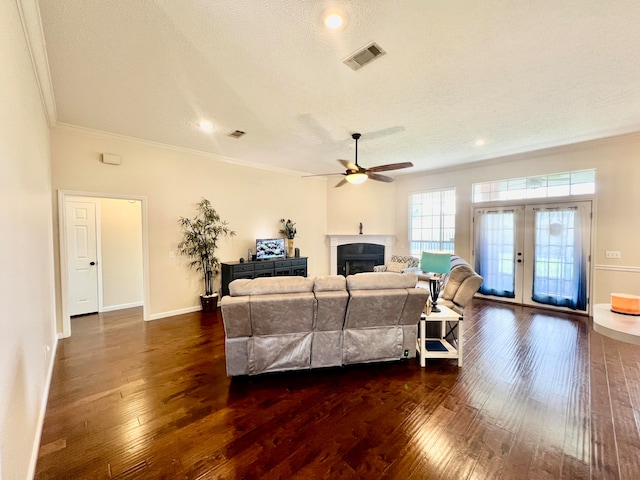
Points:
(92, 263)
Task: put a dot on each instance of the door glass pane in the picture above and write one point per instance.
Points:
(559, 276)
(495, 252)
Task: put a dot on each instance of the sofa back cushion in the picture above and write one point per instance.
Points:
(329, 283)
(270, 285)
(380, 280)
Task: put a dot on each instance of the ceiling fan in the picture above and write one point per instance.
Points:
(356, 174)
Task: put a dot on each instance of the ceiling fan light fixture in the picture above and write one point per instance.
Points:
(356, 178)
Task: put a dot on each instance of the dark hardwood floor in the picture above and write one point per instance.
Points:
(540, 395)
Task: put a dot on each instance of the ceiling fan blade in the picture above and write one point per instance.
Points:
(380, 178)
(341, 182)
(383, 133)
(322, 175)
(348, 165)
(391, 166)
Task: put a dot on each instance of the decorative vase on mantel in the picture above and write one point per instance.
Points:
(290, 246)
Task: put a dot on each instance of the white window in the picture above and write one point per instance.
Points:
(432, 221)
(581, 182)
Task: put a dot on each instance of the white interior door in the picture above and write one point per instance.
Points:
(82, 257)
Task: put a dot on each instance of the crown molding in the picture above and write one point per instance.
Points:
(29, 12)
(511, 157)
(165, 146)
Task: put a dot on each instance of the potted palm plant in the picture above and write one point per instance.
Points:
(200, 237)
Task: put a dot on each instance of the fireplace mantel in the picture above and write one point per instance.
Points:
(336, 240)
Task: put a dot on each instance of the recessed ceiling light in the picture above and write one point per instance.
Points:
(206, 126)
(333, 21)
(480, 142)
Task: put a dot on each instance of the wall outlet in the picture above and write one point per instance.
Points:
(612, 254)
(172, 254)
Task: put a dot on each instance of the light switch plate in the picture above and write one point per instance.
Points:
(612, 254)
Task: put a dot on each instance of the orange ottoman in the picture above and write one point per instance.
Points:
(625, 303)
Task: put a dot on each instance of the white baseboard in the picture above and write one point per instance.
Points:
(157, 316)
(43, 410)
(120, 307)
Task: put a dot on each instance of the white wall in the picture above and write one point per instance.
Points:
(617, 222)
(121, 248)
(372, 203)
(28, 336)
(173, 181)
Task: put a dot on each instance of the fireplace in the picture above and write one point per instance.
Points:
(359, 257)
(335, 241)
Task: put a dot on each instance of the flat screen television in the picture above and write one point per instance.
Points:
(269, 248)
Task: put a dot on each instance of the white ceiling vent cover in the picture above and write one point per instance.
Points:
(364, 56)
(237, 134)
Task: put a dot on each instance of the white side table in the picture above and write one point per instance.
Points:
(450, 321)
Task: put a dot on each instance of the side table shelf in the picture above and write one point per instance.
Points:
(439, 347)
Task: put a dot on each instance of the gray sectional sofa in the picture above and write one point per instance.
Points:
(292, 323)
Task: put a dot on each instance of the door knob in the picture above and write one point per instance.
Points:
(92, 263)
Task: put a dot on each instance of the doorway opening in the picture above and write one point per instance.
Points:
(103, 254)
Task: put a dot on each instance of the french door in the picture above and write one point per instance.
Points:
(535, 254)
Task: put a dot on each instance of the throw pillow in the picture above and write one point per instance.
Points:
(396, 267)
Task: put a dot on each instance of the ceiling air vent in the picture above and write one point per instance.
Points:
(364, 55)
(237, 133)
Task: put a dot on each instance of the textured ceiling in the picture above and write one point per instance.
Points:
(521, 75)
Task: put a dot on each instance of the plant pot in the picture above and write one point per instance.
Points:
(209, 303)
(290, 245)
